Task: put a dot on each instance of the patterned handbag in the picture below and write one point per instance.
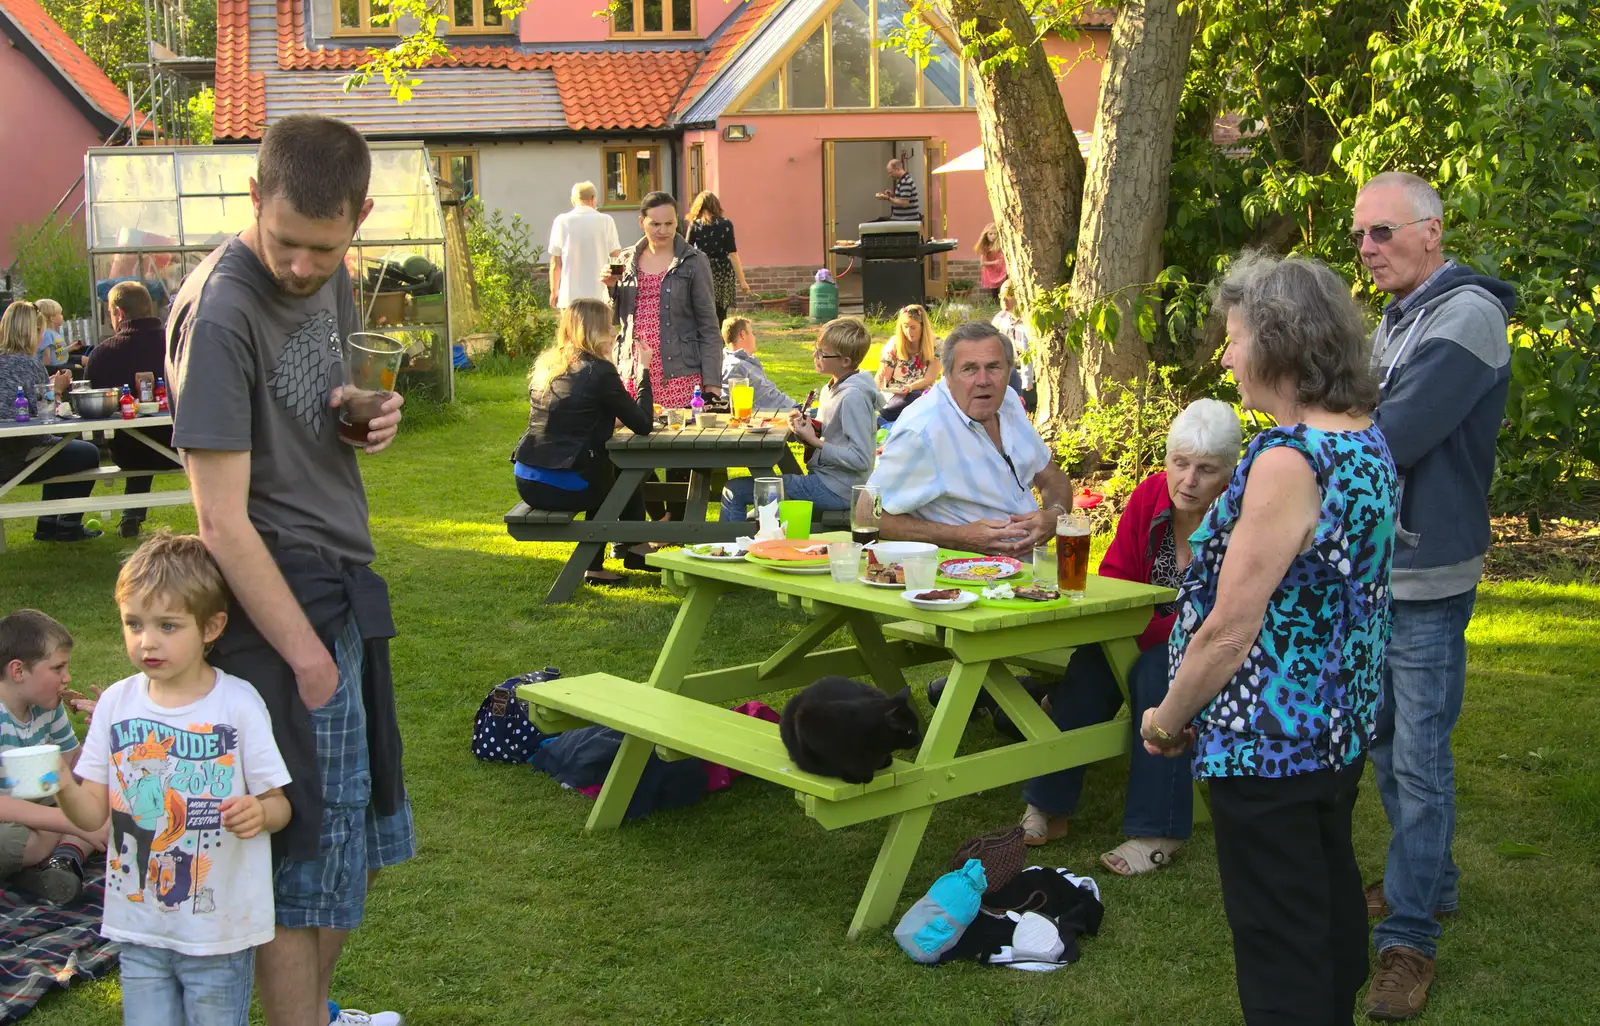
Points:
(1002, 853)
(502, 731)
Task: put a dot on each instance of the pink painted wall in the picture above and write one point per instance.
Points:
(52, 134)
(771, 185)
(574, 21)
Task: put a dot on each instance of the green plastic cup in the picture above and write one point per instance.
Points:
(795, 516)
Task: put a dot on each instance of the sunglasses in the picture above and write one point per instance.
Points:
(1381, 233)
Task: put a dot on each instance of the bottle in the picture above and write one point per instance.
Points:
(698, 403)
(129, 408)
(19, 407)
(161, 395)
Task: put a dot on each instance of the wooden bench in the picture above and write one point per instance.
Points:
(689, 726)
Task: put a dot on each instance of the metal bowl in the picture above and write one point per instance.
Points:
(94, 403)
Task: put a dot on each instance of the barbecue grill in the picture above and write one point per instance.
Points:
(893, 264)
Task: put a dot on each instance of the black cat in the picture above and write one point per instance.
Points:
(842, 728)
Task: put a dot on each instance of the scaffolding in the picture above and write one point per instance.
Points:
(170, 77)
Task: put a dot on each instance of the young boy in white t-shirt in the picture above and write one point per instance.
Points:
(181, 756)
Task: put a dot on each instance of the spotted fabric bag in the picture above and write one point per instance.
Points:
(502, 732)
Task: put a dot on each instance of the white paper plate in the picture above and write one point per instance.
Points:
(692, 554)
(967, 598)
(878, 584)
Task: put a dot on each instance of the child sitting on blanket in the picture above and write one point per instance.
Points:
(847, 439)
(40, 850)
(181, 757)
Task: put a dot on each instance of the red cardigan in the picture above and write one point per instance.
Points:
(1132, 555)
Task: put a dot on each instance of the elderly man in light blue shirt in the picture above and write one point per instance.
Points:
(960, 467)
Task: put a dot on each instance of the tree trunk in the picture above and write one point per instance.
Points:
(1125, 196)
(1031, 164)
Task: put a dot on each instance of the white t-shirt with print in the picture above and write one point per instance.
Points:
(201, 890)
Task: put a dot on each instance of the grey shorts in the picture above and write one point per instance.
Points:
(13, 841)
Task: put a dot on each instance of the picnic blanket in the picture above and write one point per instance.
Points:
(44, 946)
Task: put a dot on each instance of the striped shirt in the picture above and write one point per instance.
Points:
(43, 727)
(940, 465)
(905, 188)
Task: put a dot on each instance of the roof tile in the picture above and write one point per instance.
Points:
(83, 74)
(241, 102)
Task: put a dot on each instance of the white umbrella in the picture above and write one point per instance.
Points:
(972, 160)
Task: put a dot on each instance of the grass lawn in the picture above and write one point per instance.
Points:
(734, 911)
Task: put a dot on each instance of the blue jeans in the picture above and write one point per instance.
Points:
(1422, 689)
(740, 493)
(1160, 800)
(165, 988)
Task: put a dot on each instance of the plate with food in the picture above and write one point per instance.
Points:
(787, 568)
(801, 551)
(980, 569)
(941, 598)
(717, 552)
(1023, 596)
(884, 575)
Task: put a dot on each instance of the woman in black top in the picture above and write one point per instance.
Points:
(712, 234)
(575, 398)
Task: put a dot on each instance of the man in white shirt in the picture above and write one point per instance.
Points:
(960, 465)
(582, 241)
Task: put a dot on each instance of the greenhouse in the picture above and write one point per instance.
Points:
(156, 211)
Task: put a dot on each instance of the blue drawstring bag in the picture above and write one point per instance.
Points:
(502, 731)
(934, 924)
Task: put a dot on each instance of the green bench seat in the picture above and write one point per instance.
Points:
(684, 725)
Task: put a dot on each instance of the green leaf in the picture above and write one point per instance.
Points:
(1519, 850)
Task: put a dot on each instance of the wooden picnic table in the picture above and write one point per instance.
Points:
(700, 451)
(87, 430)
(683, 713)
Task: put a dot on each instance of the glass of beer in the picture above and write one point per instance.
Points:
(866, 510)
(371, 364)
(1072, 553)
(741, 396)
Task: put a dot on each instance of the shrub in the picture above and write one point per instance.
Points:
(513, 296)
(52, 263)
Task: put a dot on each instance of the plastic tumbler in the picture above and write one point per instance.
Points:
(844, 561)
(371, 364)
(795, 516)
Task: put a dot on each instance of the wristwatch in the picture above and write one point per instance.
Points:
(1060, 509)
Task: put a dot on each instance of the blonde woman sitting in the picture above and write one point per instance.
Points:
(909, 365)
(575, 398)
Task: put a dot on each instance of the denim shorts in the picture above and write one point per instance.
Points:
(331, 891)
(167, 988)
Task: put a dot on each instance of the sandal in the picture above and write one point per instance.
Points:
(1039, 827)
(1140, 855)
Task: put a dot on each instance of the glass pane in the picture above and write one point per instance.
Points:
(852, 55)
(136, 176)
(941, 79)
(972, 94)
(491, 14)
(682, 15)
(644, 172)
(622, 16)
(697, 171)
(132, 223)
(616, 176)
(349, 13)
(897, 73)
(765, 98)
(807, 75)
(462, 177)
(216, 171)
(463, 14)
(652, 15)
(160, 272)
(209, 219)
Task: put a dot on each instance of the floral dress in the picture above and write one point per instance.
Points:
(715, 239)
(1306, 698)
(669, 393)
(901, 372)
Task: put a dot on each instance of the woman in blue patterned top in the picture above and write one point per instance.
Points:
(1279, 643)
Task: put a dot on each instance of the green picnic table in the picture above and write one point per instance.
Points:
(683, 714)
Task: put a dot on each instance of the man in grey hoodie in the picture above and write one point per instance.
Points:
(841, 456)
(1443, 361)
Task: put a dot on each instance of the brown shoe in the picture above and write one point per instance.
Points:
(1378, 905)
(1400, 987)
(1039, 827)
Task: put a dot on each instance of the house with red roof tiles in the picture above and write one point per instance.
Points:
(787, 109)
(54, 104)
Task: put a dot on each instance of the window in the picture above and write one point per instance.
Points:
(355, 17)
(458, 168)
(697, 169)
(629, 173)
(841, 67)
(651, 17)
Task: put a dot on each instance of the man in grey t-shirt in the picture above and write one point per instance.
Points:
(253, 351)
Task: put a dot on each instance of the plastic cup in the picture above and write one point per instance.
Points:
(677, 418)
(795, 516)
(844, 561)
(768, 490)
(33, 772)
(921, 571)
(1044, 566)
(371, 364)
(742, 397)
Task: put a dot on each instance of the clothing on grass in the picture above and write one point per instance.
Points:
(44, 946)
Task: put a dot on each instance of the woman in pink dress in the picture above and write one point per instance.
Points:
(991, 262)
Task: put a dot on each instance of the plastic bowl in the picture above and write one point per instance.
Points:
(895, 551)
